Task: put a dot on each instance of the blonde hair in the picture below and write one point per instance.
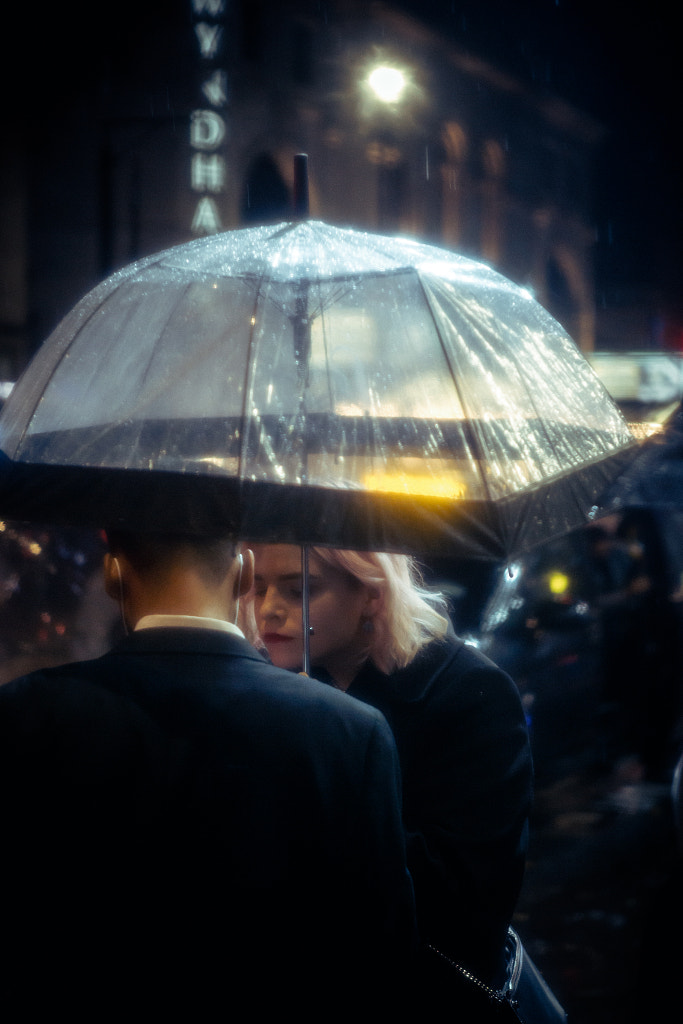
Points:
(407, 618)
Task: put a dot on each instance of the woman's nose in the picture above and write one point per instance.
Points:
(271, 607)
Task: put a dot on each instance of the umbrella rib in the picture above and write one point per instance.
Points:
(248, 376)
(539, 419)
(476, 445)
(328, 375)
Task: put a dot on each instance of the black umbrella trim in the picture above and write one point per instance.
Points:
(268, 512)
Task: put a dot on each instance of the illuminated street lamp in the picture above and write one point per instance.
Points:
(387, 83)
(389, 101)
(390, 92)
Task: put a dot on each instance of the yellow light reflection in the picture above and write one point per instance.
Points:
(447, 485)
(643, 430)
(558, 583)
(227, 464)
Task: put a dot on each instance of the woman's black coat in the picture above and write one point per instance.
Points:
(467, 788)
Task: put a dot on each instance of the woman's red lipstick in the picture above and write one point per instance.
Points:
(276, 638)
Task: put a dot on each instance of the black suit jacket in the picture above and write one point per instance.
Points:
(182, 820)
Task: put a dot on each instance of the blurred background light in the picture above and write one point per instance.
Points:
(387, 83)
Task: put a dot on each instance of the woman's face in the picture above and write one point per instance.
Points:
(338, 603)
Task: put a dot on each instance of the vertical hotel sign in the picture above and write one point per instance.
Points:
(208, 123)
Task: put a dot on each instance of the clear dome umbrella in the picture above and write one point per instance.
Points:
(312, 384)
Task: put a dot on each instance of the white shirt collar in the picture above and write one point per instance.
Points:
(187, 622)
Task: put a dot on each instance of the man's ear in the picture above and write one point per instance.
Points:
(112, 585)
(113, 576)
(246, 581)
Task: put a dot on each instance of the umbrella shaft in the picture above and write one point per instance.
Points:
(301, 185)
(304, 610)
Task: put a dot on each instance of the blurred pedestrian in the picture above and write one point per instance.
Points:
(628, 587)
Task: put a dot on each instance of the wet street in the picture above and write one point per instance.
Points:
(602, 900)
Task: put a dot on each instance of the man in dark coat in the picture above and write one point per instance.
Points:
(186, 828)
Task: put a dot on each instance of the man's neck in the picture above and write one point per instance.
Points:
(164, 621)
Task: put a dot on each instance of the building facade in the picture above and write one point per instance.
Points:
(194, 129)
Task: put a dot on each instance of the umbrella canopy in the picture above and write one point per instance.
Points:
(654, 477)
(313, 384)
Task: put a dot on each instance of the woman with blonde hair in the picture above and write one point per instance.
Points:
(379, 634)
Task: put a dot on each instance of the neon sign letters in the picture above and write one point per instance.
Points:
(208, 125)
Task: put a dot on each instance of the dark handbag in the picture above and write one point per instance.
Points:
(525, 997)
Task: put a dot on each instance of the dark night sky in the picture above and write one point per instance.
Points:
(621, 65)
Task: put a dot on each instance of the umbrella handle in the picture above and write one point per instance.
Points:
(301, 185)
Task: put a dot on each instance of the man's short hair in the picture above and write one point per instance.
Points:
(151, 553)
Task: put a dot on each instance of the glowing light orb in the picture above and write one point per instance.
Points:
(387, 83)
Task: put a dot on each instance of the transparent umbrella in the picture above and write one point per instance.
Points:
(314, 385)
